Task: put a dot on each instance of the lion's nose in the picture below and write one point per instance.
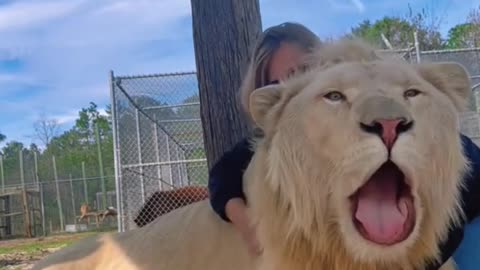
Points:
(388, 129)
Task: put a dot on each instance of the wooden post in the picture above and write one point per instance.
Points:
(223, 33)
(100, 165)
(26, 214)
(22, 175)
(2, 174)
(85, 186)
(59, 200)
(73, 200)
(8, 219)
(42, 207)
(35, 159)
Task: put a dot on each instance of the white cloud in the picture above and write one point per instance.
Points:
(16, 16)
(347, 5)
(68, 118)
(359, 5)
(68, 47)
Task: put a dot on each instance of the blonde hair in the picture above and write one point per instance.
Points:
(268, 42)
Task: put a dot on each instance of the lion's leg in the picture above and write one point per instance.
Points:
(449, 265)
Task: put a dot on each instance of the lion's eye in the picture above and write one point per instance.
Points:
(334, 96)
(411, 93)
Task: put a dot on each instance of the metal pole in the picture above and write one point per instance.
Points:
(157, 152)
(85, 187)
(22, 176)
(179, 172)
(417, 46)
(73, 200)
(59, 201)
(100, 165)
(139, 151)
(2, 173)
(168, 159)
(116, 154)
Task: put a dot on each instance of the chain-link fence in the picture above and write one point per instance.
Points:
(44, 208)
(42, 190)
(158, 145)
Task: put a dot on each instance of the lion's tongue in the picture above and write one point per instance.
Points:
(379, 210)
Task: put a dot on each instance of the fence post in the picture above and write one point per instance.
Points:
(22, 176)
(157, 152)
(42, 209)
(73, 201)
(59, 201)
(167, 142)
(139, 151)
(85, 187)
(417, 46)
(2, 173)
(100, 165)
(116, 153)
(35, 164)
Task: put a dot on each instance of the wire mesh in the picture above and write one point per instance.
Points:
(159, 145)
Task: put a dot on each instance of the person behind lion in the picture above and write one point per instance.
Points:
(278, 54)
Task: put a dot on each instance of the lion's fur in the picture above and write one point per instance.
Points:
(314, 155)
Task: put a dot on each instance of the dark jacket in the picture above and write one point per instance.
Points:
(225, 183)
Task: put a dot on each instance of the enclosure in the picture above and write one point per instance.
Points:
(158, 138)
(42, 190)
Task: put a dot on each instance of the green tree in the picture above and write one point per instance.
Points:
(465, 35)
(11, 162)
(189, 111)
(399, 31)
(2, 137)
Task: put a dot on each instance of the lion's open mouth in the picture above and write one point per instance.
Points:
(383, 209)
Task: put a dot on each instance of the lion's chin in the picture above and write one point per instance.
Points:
(383, 209)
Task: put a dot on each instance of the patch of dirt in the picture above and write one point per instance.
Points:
(23, 260)
(25, 252)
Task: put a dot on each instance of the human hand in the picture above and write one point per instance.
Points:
(237, 212)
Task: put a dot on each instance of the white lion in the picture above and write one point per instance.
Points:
(360, 168)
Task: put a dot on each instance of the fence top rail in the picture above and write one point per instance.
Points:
(155, 75)
(474, 49)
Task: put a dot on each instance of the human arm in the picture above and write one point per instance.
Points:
(226, 191)
(471, 192)
(226, 178)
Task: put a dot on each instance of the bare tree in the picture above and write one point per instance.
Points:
(223, 32)
(46, 129)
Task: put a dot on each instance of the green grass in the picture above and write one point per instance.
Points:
(36, 245)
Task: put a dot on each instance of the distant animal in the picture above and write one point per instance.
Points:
(84, 212)
(109, 212)
(162, 202)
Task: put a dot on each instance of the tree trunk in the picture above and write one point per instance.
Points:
(224, 32)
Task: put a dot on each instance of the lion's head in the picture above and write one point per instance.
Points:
(361, 162)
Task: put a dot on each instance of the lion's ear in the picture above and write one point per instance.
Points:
(450, 78)
(262, 100)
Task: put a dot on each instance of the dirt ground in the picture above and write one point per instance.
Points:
(21, 254)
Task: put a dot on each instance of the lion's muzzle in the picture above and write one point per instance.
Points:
(385, 117)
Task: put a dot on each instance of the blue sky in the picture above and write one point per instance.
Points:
(55, 55)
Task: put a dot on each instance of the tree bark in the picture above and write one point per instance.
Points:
(224, 32)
